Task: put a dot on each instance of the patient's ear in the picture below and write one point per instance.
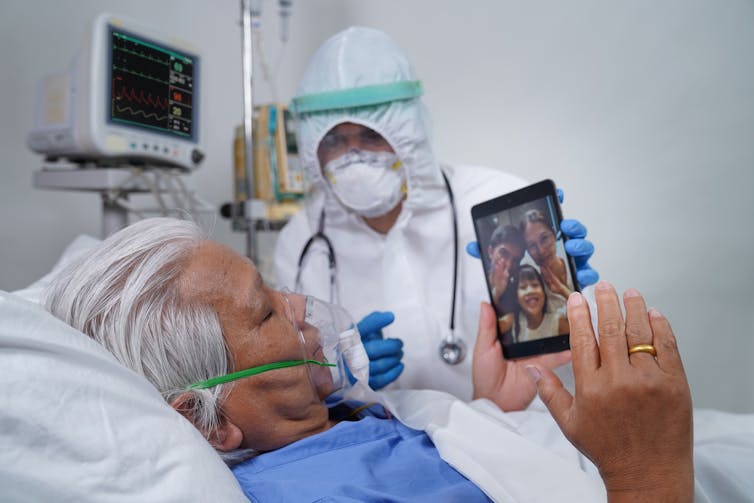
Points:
(226, 437)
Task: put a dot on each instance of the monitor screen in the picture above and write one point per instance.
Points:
(151, 86)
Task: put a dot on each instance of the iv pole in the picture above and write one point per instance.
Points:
(248, 107)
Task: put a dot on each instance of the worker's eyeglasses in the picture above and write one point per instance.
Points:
(335, 144)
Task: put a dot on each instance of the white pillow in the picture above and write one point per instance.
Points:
(75, 425)
(36, 291)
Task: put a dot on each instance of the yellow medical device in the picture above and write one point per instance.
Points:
(277, 171)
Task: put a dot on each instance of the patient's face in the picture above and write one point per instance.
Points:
(274, 408)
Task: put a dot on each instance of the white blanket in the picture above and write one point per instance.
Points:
(523, 456)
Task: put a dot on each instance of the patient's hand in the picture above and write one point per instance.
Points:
(631, 414)
(505, 382)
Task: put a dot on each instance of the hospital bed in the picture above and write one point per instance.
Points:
(75, 425)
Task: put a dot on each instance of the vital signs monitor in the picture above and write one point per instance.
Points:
(131, 94)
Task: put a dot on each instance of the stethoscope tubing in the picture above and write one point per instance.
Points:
(320, 235)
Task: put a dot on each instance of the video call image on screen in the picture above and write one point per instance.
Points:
(527, 270)
(152, 86)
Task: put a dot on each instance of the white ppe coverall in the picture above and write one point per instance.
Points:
(409, 270)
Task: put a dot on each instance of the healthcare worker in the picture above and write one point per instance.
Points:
(386, 225)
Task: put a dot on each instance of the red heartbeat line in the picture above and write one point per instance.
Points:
(131, 95)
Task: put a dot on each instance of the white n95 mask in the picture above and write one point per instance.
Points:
(368, 183)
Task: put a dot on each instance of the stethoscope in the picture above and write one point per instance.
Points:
(452, 348)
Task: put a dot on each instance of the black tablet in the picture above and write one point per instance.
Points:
(529, 275)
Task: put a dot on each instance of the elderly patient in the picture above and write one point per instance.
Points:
(182, 310)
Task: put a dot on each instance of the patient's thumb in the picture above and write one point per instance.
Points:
(487, 332)
(550, 388)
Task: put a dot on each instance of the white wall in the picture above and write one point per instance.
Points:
(643, 112)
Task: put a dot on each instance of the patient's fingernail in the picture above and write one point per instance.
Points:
(602, 285)
(654, 313)
(575, 299)
(632, 292)
(533, 373)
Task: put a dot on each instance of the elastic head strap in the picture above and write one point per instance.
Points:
(357, 97)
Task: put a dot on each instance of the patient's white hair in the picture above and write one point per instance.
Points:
(125, 295)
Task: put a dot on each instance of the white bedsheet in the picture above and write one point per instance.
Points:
(523, 456)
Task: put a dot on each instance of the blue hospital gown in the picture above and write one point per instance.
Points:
(372, 459)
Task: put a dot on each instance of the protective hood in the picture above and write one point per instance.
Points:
(377, 88)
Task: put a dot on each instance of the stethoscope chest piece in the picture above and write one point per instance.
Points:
(452, 350)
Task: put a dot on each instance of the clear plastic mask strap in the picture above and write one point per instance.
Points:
(357, 97)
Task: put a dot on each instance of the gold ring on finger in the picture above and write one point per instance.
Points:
(642, 348)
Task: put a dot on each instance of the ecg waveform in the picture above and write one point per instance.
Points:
(151, 87)
(132, 95)
(137, 112)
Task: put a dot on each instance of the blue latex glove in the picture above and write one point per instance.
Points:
(576, 246)
(384, 354)
(580, 249)
(473, 249)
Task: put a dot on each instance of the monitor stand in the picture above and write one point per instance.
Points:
(116, 181)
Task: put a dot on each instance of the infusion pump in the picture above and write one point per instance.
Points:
(131, 94)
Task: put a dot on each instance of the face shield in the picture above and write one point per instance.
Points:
(315, 114)
(356, 97)
(381, 92)
(330, 347)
